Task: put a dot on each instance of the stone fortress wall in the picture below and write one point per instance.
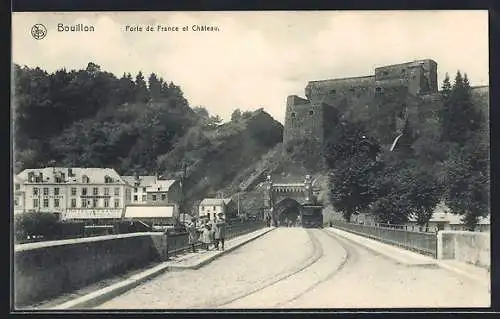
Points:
(311, 118)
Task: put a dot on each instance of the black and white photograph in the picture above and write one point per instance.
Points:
(250, 160)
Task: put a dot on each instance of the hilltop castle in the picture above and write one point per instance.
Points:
(312, 117)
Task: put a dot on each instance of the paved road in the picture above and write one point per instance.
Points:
(298, 268)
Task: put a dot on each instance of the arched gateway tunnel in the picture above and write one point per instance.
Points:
(290, 203)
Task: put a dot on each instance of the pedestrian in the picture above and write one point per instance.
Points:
(205, 235)
(220, 231)
(192, 234)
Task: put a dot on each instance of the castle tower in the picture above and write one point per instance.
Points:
(305, 121)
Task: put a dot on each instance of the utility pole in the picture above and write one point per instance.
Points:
(182, 204)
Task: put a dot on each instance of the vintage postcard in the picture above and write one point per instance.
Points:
(250, 160)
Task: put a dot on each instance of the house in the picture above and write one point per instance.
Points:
(164, 192)
(139, 187)
(152, 215)
(211, 207)
(76, 193)
(19, 195)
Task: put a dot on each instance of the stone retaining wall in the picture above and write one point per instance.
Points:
(47, 269)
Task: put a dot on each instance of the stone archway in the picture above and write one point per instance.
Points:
(287, 209)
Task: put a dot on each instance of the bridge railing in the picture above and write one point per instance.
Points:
(421, 242)
(179, 243)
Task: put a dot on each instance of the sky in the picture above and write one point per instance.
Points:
(256, 59)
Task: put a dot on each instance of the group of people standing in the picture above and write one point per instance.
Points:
(207, 232)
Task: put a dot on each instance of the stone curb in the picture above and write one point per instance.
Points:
(102, 295)
(393, 252)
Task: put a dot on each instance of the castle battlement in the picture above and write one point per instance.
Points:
(312, 117)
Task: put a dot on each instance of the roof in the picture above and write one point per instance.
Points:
(144, 181)
(18, 179)
(95, 175)
(161, 185)
(215, 201)
(166, 211)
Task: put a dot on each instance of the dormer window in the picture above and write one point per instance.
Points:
(85, 179)
(108, 180)
(311, 112)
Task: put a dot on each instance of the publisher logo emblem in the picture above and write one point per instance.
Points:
(38, 31)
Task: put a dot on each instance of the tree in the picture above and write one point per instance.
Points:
(141, 90)
(154, 87)
(459, 117)
(353, 166)
(467, 180)
(236, 115)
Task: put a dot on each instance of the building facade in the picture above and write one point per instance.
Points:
(139, 186)
(19, 195)
(76, 193)
(164, 192)
(211, 207)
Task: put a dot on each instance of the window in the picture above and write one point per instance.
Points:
(352, 90)
(214, 208)
(84, 191)
(73, 202)
(135, 189)
(163, 197)
(84, 203)
(45, 202)
(135, 198)
(106, 202)
(144, 189)
(333, 91)
(95, 191)
(56, 191)
(108, 180)
(106, 191)
(85, 179)
(35, 202)
(117, 203)
(311, 112)
(45, 191)
(154, 198)
(18, 187)
(95, 202)
(117, 191)
(143, 198)
(35, 191)
(16, 202)
(73, 191)
(386, 73)
(56, 202)
(202, 208)
(293, 114)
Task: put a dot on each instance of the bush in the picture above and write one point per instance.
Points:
(36, 224)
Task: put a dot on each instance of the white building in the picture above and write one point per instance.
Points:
(140, 185)
(211, 207)
(76, 193)
(152, 190)
(19, 195)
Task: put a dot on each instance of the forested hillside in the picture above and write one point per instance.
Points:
(91, 118)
